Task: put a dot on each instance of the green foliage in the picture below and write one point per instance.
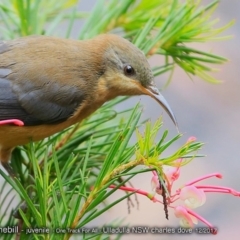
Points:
(27, 17)
(68, 189)
(64, 179)
(164, 28)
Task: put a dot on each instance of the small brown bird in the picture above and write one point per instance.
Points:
(47, 84)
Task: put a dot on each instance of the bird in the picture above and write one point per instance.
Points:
(48, 84)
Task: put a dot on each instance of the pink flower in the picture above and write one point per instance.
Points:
(171, 173)
(156, 185)
(192, 196)
(191, 193)
(186, 220)
(191, 139)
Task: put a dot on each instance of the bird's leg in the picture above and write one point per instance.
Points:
(5, 155)
(20, 226)
(16, 122)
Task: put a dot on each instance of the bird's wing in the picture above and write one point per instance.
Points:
(48, 104)
(34, 105)
(9, 105)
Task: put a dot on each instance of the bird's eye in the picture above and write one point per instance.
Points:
(129, 70)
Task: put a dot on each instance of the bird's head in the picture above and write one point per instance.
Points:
(127, 71)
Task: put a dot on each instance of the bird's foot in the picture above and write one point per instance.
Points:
(16, 122)
(23, 206)
(9, 169)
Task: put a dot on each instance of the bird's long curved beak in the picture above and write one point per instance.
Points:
(153, 92)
